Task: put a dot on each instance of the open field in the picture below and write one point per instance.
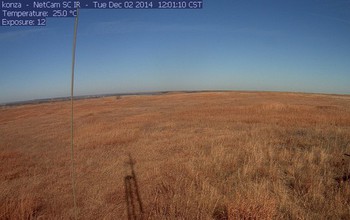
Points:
(206, 155)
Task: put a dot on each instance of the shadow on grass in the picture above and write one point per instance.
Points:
(132, 195)
(345, 178)
(220, 213)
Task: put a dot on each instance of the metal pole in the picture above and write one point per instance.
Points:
(73, 175)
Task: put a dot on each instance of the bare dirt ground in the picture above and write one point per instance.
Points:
(212, 155)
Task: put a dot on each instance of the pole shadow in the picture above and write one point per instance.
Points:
(132, 195)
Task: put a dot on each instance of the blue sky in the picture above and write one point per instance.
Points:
(294, 45)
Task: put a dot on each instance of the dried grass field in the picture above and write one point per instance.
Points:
(209, 155)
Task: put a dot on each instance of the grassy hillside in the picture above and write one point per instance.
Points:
(193, 156)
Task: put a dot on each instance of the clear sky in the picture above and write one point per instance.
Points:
(295, 45)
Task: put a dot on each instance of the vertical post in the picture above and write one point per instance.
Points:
(72, 124)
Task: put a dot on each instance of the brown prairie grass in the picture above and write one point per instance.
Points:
(212, 155)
